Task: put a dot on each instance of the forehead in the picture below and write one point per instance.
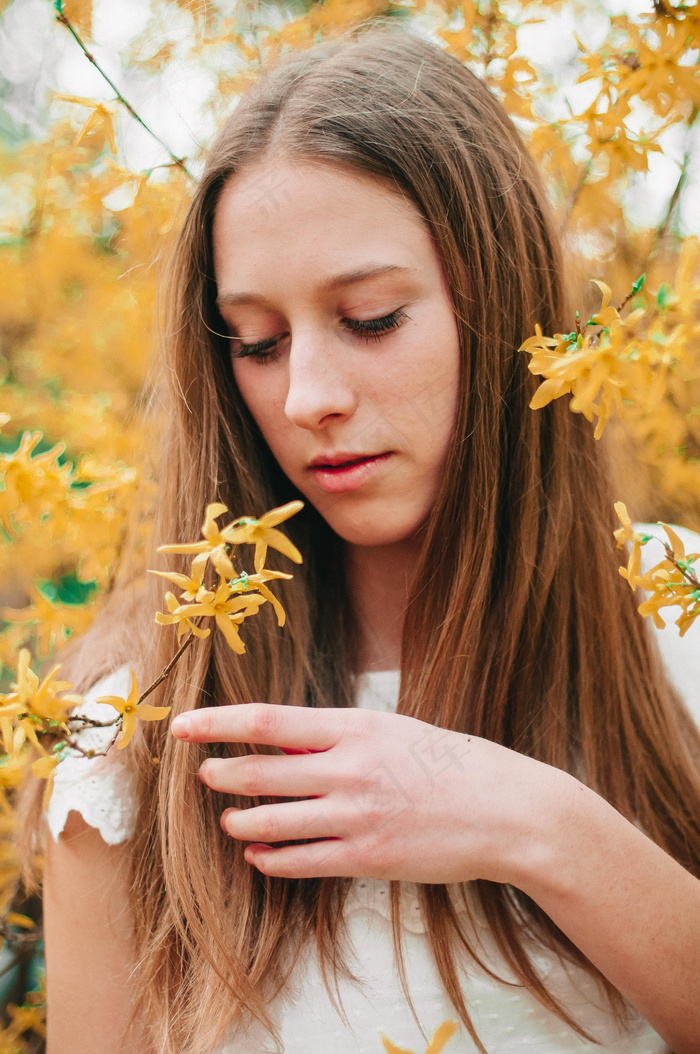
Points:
(312, 218)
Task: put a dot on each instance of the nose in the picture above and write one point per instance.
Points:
(320, 386)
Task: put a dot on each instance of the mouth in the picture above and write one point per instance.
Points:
(350, 474)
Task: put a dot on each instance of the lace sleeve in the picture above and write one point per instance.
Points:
(101, 789)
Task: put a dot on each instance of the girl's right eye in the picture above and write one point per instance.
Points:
(265, 351)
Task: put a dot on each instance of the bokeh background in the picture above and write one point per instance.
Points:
(106, 109)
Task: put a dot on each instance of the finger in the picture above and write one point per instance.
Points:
(268, 723)
(260, 775)
(320, 860)
(281, 822)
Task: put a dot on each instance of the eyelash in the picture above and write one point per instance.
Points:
(366, 329)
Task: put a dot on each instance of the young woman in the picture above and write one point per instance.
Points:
(457, 785)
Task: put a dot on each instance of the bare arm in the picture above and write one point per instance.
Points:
(628, 906)
(389, 796)
(88, 944)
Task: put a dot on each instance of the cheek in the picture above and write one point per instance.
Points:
(427, 391)
(262, 390)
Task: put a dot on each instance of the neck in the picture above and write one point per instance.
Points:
(379, 583)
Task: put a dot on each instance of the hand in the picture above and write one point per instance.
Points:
(388, 796)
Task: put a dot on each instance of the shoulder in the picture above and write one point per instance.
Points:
(681, 655)
(101, 790)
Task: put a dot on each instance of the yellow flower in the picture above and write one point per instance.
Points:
(12, 771)
(215, 545)
(607, 314)
(133, 711)
(651, 607)
(8, 713)
(40, 699)
(262, 533)
(257, 581)
(228, 611)
(100, 120)
(627, 533)
(34, 483)
(45, 769)
(217, 542)
(672, 583)
(22, 1019)
(441, 1035)
(51, 620)
(675, 542)
(181, 619)
(687, 618)
(190, 584)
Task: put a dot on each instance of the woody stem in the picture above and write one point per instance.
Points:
(166, 669)
(178, 161)
(690, 578)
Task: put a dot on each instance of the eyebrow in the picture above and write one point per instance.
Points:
(361, 274)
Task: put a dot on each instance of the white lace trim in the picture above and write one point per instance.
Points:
(101, 789)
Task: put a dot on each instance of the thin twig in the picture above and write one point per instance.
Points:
(74, 745)
(19, 940)
(166, 670)
(178, 161)
(682, 179)
(89, 722)
(689, 577)
(583, 176)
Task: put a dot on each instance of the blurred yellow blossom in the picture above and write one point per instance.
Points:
(40, 698)
(45, 769)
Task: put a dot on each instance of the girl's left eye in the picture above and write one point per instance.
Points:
(367, 329)
(374, 328)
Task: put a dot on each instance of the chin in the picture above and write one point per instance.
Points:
(377, 529)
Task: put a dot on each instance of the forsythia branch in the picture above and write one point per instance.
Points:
(65, 21)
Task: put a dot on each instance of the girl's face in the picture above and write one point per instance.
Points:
(343, 340)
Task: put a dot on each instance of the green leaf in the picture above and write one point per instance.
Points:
(636, 286)
(68, 589)
(663, 295)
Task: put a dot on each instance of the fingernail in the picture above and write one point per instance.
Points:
(224, 816)
(181, 726)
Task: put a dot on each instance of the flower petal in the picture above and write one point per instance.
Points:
(283, 512)
(128, 728)
(276, 540)
(269, 595)
(230, 632)
(145, 712)
(113, 700)
(676, 544)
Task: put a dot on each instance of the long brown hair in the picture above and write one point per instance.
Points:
(519, 628)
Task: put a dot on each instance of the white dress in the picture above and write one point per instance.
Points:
(507, 1019)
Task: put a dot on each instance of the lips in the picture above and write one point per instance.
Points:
(335, 460)
(340, 474)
